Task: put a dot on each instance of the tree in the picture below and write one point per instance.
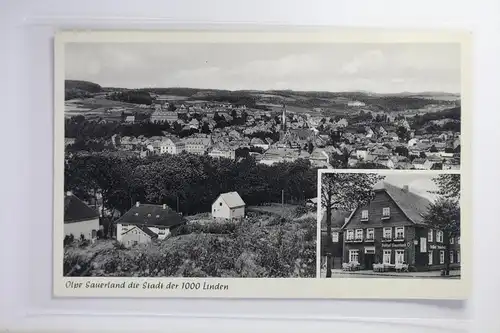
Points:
(401, 151)
(172, 107)
(344, 192)
(310, 147)
(444, 213)
(403, 134)
(448, 186)
(205, 128)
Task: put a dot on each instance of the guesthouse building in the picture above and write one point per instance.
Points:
(391, 230)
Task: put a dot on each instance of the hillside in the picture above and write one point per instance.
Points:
(82, 85)
(260, 246)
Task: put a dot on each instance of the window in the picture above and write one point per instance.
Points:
(370, 233)
(400, 232)
(387, 233)
(359, 234)
(353, 255)
(386, 213)
(429, 235)
(386, 259)
(452, 240)
(220, 203)
(430, 257)
(439, 236)
(458, 240)
(364, 215)
(451, 257)
(335, 237)
(350, 235)
(441, 257)
(400, 256)
(458, 256)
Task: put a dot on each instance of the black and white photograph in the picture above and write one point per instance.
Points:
(197, 156)
(390, 225)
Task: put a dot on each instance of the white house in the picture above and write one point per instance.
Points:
(79, 218)
(145, 222)
(169, 146)
(228, 206)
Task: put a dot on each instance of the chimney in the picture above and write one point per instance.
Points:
(406, 188)
(137, 204)
(164, 206)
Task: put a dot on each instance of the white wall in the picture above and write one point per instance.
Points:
(83, 227)
(238, 212)
(135, 235)
(220, 209)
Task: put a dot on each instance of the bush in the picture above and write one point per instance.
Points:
(286, 248)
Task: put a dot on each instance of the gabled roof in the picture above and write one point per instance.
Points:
(232, 199)
(413, 205)
(75, 210)
(151, 215)
(144, 229)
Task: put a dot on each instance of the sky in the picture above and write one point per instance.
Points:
(419, 184)
(379, 68)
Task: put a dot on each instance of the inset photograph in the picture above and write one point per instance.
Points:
(392, 224)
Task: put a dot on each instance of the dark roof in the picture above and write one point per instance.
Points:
(145, 229)
(151, 215)
(413, 205)
(338, 219)
(75, 210)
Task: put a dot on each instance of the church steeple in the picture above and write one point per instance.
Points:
(283, 119)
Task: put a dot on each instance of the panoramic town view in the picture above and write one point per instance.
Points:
(201, 160)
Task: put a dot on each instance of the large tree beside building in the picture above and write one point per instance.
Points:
(344, 191)
(444, 213)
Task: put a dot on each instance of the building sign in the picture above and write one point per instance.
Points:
(423, 245)
(394, 245)
(437, 247)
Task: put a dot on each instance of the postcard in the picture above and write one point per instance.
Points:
(331, 164)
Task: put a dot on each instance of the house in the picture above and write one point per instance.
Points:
(312, 202)
(130, 119)
(419, 163)
(160, 116)
(145, 222)
(338, 219)
(170, 145)
(197, 146)
(228, 206)
(79, 219)
(223, 153)
(391, 230)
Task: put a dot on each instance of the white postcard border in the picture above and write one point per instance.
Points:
(355, 288)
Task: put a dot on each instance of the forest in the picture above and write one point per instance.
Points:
(194, 180)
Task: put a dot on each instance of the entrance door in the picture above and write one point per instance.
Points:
(369, 260)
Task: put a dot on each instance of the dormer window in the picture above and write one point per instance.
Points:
(136, 214)
(386, 213)
(364, 215)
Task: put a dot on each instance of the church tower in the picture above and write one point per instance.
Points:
(283, 119)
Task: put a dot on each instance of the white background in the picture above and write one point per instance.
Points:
(26, 170)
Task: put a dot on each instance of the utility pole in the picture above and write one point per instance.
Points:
(282, 198)
(177, 204)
